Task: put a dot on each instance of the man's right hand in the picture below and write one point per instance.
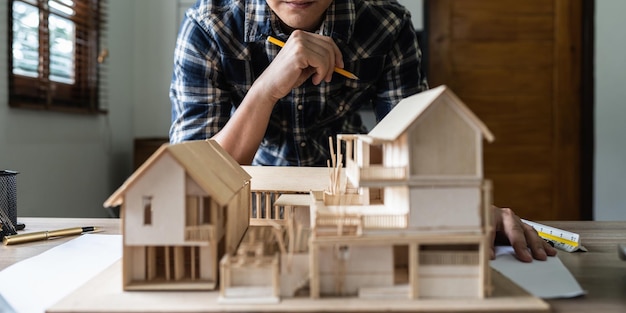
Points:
(304, 55)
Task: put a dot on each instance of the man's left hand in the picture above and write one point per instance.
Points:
(524, 239)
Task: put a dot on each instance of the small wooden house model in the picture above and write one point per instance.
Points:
(182, 210)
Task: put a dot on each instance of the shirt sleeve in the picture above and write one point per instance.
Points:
(402, 73)
(199, 96)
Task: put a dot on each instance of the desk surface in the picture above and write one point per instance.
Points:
(15, 253)
(599, 271)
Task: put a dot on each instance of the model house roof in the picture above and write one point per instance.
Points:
(205, 161)
(411, 109)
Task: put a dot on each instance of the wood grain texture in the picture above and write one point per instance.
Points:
(517, 65)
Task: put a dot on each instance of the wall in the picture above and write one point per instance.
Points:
(70, 163)
(416, 8)
(610, 111)
(155, 27)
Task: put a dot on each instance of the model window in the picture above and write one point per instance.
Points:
(147, 210)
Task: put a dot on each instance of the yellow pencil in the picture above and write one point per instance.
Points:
(337, 70)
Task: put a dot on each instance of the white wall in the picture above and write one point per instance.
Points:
(155, 27)
(416, 8)
(610, 111)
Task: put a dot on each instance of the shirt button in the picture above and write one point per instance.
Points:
(303, 144)
(284, 123)
(300, 107)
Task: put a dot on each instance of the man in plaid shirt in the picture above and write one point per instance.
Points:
(268, 105)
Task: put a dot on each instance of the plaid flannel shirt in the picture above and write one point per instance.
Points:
(221, 49)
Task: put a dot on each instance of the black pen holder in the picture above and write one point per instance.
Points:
(8, 202)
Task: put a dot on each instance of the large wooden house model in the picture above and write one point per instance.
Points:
(182, 210)
(414, 226)
(425, 207)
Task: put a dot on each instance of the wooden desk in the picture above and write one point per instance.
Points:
(15, 253)
(600, 272)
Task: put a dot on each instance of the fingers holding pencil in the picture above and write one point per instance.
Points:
(327, 55)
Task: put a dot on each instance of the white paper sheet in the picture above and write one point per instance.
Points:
(33, 285)
(548, 279)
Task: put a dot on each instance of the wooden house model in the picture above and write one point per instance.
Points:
(415, 226)
(182, 210)
(427, 201)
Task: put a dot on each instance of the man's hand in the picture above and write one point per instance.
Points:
(508, 228)
(304, 55)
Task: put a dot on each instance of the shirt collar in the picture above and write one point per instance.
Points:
(260, 22)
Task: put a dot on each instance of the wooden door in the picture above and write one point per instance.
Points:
(517, 65)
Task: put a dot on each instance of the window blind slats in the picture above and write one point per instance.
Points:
(67, 75)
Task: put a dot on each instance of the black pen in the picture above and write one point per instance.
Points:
(45, 235)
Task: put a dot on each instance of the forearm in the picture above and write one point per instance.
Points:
(243, 133)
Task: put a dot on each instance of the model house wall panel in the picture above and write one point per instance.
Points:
(252, 276)
(165, 184)
(449, 287)
(237, 219)
(136, 262)
(192, 188)
(446, 208)
(443, 143)
(357, 259)
(396, 153)
(453, 281)
(329, 284)
(208, 257)
(397, 199)
(344, 271)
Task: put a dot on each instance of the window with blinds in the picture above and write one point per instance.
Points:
(56, 62)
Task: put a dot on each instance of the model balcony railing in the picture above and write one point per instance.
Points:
(262, 205)
(359, 222)
(385, 221)
(340, 225)
(200, 233)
